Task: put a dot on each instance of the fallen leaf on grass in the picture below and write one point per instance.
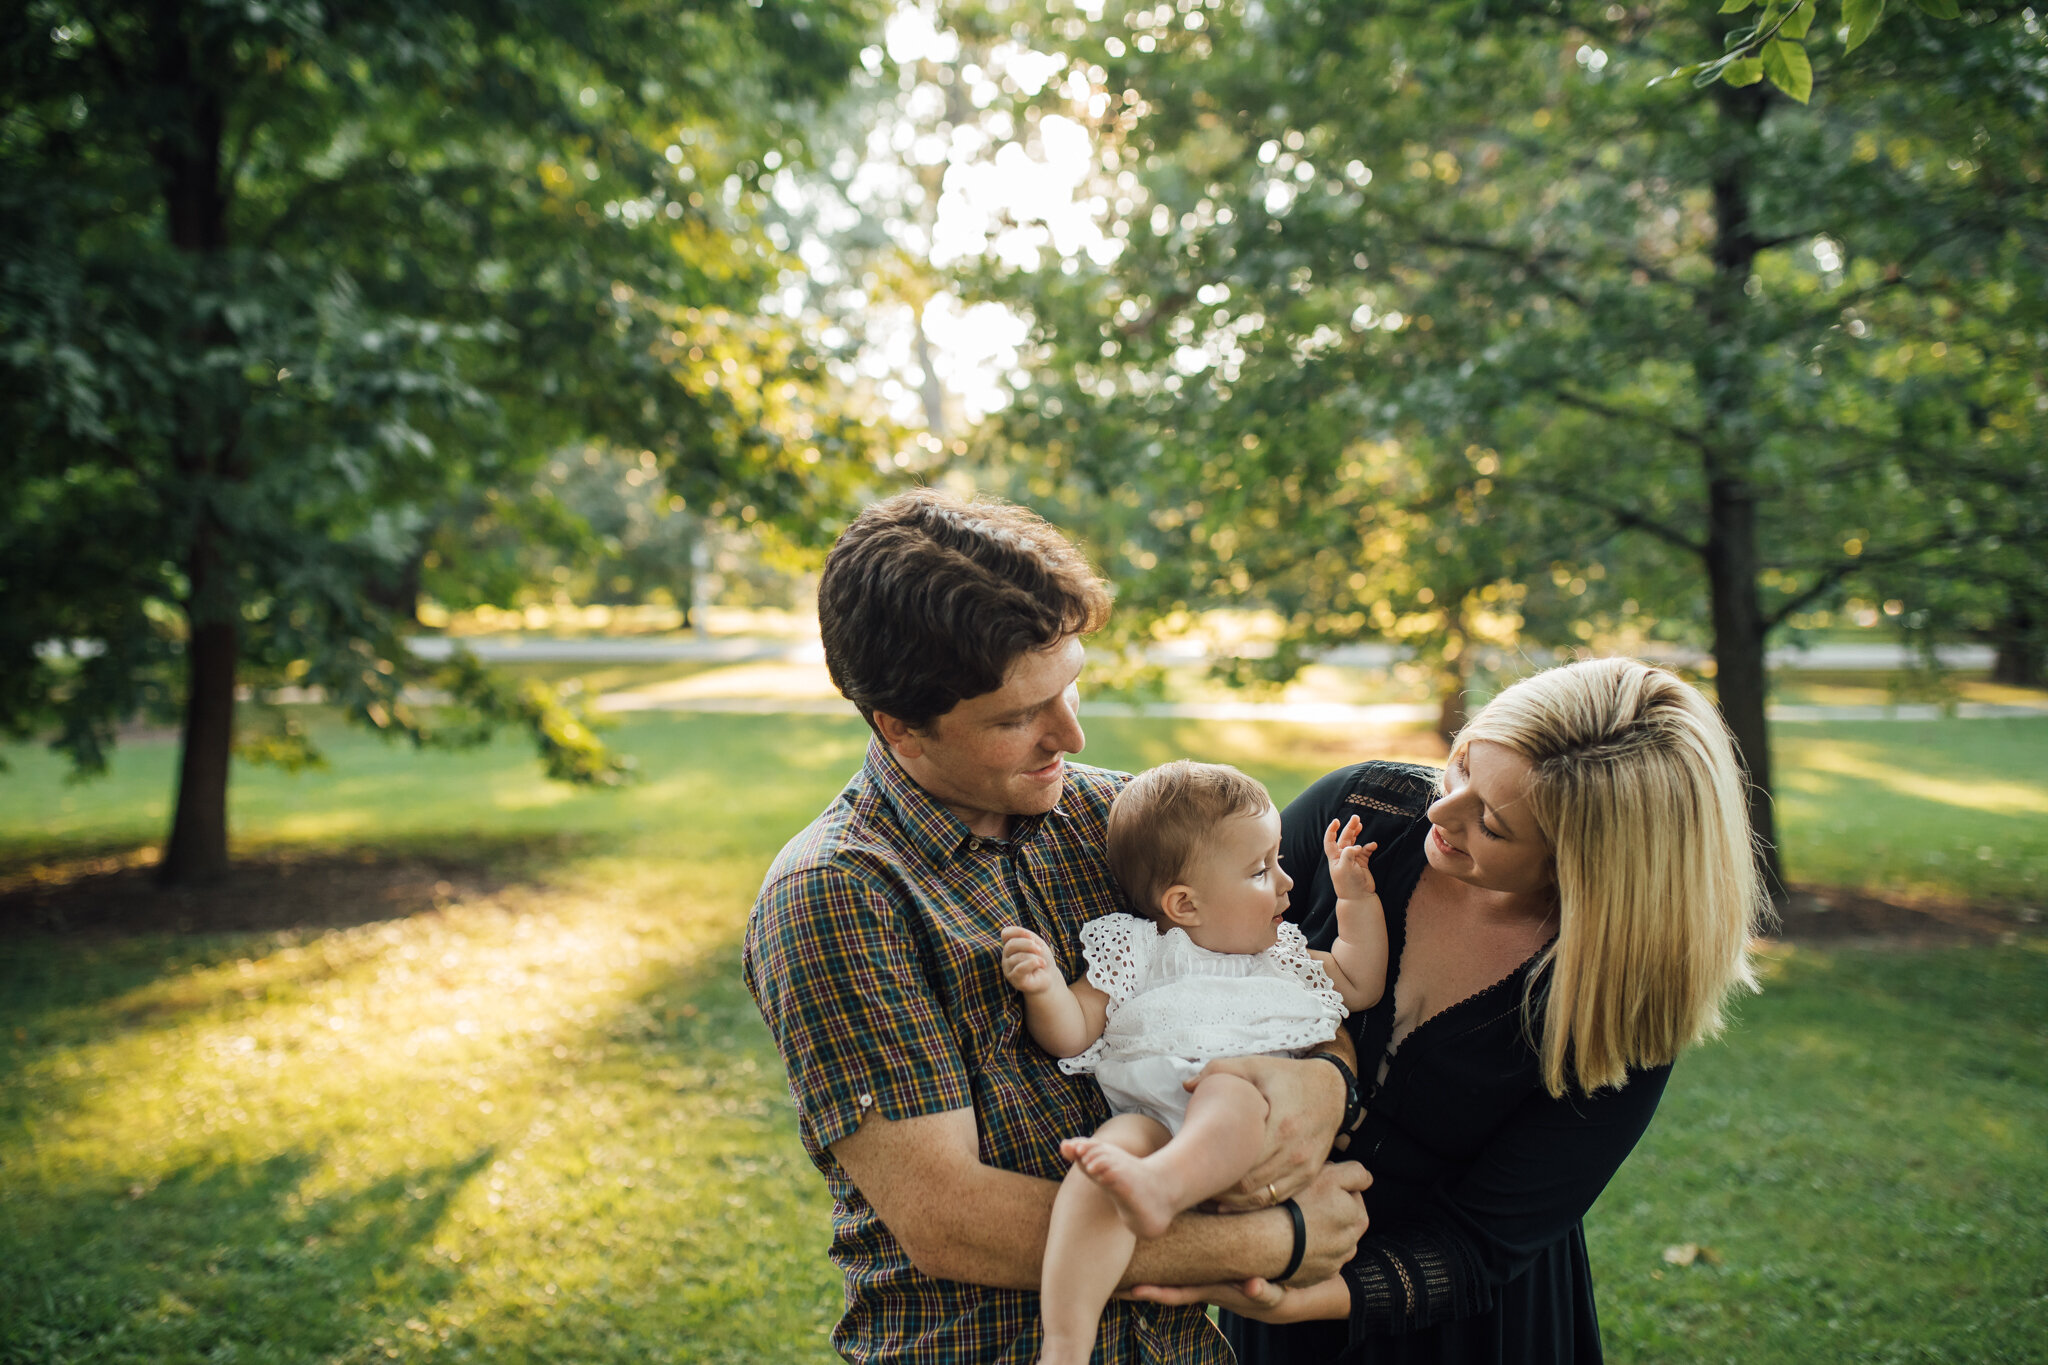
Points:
(1685, 1253)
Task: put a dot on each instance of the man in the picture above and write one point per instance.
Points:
(873, 953)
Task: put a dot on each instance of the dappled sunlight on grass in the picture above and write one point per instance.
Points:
(1870, 763)
(537, 1117)
(586, 1040)
(1947, 810)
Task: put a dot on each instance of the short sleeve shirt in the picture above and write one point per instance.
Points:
(874, 954)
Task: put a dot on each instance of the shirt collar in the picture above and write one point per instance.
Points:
(935, 831)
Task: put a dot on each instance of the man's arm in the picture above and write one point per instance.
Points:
(958, 1219)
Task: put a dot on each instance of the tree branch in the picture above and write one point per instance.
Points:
(1534, 264)
(1622, 514)
(1842, 569)
(1672, 429)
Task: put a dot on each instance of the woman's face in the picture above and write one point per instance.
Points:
(1480, 830)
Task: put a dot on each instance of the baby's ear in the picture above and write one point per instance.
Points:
(1177, 903)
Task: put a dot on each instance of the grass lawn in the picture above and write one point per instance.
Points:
(538, 1118)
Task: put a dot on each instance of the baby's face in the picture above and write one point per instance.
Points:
(1239, 888)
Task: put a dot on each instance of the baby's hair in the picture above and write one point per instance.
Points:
(1163, 818)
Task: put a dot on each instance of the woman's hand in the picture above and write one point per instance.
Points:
(1260, 1300)
(1304, 1105)
(1027, 962)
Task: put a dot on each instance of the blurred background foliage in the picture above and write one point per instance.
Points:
(299, 298)
(1432, 323)
(1437, 326)
(1441, 322)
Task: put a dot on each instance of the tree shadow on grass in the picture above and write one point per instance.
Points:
(81, 928)
(112, 892)
(218, 1259)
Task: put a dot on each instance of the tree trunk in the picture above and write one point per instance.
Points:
(1739, 677)
(1451, 711)
(198, 850)
(1727, 376)
(187, 152)
(1454, 672)
(2022, 655)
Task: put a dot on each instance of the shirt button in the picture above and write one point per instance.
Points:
(974, 845)
(866, 1100)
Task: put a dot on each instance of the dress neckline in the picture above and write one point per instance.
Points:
(1395, 1045)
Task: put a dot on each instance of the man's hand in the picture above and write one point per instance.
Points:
(1028, 962)
(1333, 1208)
(1350, 876)
(1304, 1105)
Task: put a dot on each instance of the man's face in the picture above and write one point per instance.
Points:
(1000, 754)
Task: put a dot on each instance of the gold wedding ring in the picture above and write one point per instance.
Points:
(1272, 1195)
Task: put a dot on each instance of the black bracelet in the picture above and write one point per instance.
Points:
(1300, 1241)
(1353, 1110)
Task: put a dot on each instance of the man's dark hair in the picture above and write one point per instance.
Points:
(927, 600)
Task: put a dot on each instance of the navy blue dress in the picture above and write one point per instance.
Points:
(1476, 1251)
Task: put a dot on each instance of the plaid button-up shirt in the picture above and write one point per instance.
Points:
(874, 954)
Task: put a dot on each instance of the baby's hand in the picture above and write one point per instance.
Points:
(1027, 962)
(1350, 876)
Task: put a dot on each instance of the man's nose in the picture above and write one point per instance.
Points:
(1067, 734)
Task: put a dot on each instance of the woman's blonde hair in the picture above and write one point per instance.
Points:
(1636, 786)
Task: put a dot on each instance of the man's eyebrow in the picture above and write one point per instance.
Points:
(1030, 708)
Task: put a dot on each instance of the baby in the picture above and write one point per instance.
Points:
(1212, 971)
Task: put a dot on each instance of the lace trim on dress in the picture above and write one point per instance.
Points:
(1292, 953)
(1415, 1278)
(1118, 948)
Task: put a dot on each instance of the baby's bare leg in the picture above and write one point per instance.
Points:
(1225, 1126)
(1087, 1247)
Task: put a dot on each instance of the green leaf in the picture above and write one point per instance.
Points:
(1677, 73)
(1748, 71)
(1862, 17)
(1940, 9)
(1786, 64)
(1797, 22)
(1736, 6)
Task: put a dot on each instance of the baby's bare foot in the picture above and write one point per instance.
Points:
(1140, 1191)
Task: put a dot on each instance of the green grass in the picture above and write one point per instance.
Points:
(1950, 810)
(544, 1122)
(1865, 1162)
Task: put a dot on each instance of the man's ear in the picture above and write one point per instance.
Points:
(903, 740)
(1177, 903)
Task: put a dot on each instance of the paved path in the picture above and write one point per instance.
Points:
(766, 676)
(750, 649)
(1297, 713)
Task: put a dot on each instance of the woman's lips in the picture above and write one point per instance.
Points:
(1436, 833)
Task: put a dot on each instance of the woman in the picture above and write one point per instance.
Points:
(1569, 905)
